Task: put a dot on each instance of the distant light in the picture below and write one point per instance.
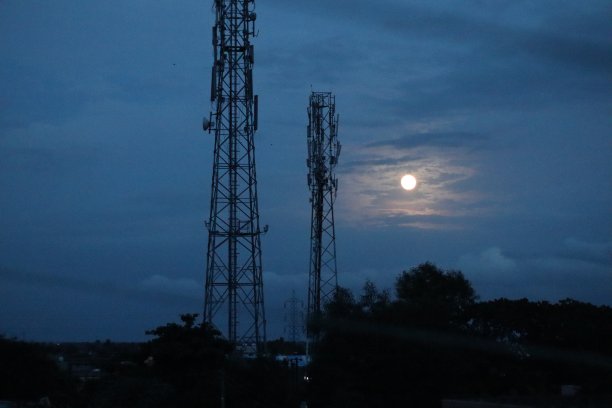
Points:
(408, 182)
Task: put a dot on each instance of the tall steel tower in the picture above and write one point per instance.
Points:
(294, 318)
(323, 152)
(234, 286)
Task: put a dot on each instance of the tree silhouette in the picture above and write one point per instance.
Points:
(436, 341)
(430, 296)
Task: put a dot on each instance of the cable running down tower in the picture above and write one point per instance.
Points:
(233, 296)
(323, 152)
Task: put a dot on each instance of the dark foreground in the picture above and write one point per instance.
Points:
(432, 344)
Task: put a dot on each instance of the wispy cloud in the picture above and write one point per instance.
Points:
(155, 288)
(595, 252)
(575, 269)
(482, 25)
(159, 284)
(433, 139)
(442, 163)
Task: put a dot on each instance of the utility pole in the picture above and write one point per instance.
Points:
(233, 297)
(323, 152)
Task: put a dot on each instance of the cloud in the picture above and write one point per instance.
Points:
(442, 165)
(174, 286)
(544, 276)
(596, 252)
(42, 160)
(156, 288)
(434, 139)
(478, 24)
(32, 94)
(444, 59)
(62, 307)
(491, 262)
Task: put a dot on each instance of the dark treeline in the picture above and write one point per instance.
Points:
(429, 339)
(434, 340)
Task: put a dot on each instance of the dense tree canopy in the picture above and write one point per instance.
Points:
(434, 340)
(430, 296)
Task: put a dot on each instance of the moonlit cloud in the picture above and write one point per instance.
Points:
(441, 168)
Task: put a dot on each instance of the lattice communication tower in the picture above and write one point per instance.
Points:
(323, 152)
(294, 318)
(234, 285)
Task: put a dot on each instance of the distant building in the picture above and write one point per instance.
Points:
(477, 404)
(301, 360)
(86, 372)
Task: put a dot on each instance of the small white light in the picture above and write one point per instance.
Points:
(408, 182)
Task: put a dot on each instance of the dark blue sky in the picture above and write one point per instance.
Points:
(502, 110)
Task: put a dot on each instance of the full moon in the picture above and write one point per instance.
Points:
(408, 182)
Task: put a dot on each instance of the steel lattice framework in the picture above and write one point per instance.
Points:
(323, 152)
(294, 318)
(234, 286)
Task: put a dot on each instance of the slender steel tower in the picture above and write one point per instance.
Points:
(294, 318)
(234, 286)
(323, 152)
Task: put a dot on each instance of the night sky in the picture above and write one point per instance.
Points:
(502, 110)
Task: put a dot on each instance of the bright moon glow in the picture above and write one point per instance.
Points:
(408, 182)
